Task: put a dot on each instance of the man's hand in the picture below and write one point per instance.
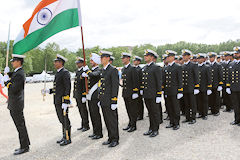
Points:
(158, 100)
(6, 70)
(179, 95)
(84, 74)
(209, 92)
(228, 90)
(84, 99)
(85, 68)
(196, 91)
(113, 106)
(65, 106)
(134, 95)
(6, 78)
(219, 88)
(141, 92)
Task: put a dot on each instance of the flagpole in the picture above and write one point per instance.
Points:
(8, 44)
(84, 57)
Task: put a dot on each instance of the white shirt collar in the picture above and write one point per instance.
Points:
(17, 69)
(126, 65)
(201, 64)
(238, 61)
(170, 64)
(106, 66)
(227, 61)
(187, 62)
(94, 67)
(59, 69)
(150, 63)
(212, 63)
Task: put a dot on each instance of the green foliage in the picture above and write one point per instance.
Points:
(35, 59)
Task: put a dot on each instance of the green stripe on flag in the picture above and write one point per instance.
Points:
(63, 21)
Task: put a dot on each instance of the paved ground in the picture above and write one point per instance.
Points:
(213, 139)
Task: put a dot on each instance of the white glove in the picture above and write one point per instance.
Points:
(219, 88)
(141, 92)
(84, 99)
(84, 74)
(64, 106)
(179, 95)
(6, 70)
(158, 100)
(6, 78)
(44, 91)
(209, 92)
(99, 105)
(113, 106)
(85, 68)
(228, 90)
(196, 91)
(134, 96)
(162, 92)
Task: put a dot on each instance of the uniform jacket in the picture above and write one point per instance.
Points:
(204, 78)
(62, 87)
(108, 86)
(152, 81)
(93, 77)
(79, 85)
(216, 75)
(16, 90)
(130, 81)
(172, 80)
(234, 77)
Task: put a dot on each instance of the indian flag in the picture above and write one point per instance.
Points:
(48, 18)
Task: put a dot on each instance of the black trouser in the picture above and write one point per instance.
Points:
(182, 106)
(226, 99)
(172, 105)
(95, 116)
(111, 121)
(140, 107)
(64, 120)
(202, 103)
(236, 105)
(19, 121)
(190, 106)
(82, 107)
(160, 111)
(154, 114)
(131, 107)
(214, 101)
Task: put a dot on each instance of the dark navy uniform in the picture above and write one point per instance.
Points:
(108, 93)
(151, 86)
(61, 94)
(216, 78)
(234, 84)
(205, 84)
(130, 86)
(16, 105)
(172, 85)
(78, 93)
(93, 78)
(140, 105)
(190, 82)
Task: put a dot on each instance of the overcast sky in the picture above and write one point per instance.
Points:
(133, 22)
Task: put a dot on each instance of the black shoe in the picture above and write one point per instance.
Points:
(17, 149)
(186, 121)
(153, 134)
(97, 137)
(106, 143)
(217, 114)
(192, 122)
(200, 116)
(132, 129)
(91, 136)
(113, 144)
(204, 117)
(148, 133)
(21, 151)
(85, 129)
(65, 142)
(176, 127)
(59, 141)
(169, 126)
(234, 123)
(167, 118)
(79, 129)
(140, 118)
(126, 128)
